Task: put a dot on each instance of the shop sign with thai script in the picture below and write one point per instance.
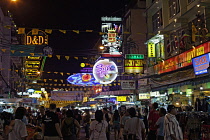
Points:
(133, 66)
(182, 60)
(41, 38)
(134, 56)
(201, 64)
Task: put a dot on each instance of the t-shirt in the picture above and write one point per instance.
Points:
(134, 126)
(153, 116)
(49, 120)
(19, 130)
(98, 130)
(160, 123)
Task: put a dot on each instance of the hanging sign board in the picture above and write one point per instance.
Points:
(151, 49)
(133, 66)
(41, 38)
(201, 64)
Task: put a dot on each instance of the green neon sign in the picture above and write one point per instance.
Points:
(134, 56)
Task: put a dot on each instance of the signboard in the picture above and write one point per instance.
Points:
(151, 49)
(105, 71)
(134, 56)
(121, 98)
(142, 82)
(133, 66)
(67, 95)
(128, 84)
(182, 60)
(112, 36)
(41, 38)
(82, 79)
(144, 96)
(201, 64)
(29, 100)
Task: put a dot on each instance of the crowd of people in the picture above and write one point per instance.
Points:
(129, 124)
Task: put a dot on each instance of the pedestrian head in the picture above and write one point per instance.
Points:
(52, 107)
(99, 115)
(155, 106)
(127, 112)
(132, 112)
(172, 109)
(69, 113)
(58, 110)
(105, 110)
(20, 112)
(162, 112)
(42, 110)
(87, 112)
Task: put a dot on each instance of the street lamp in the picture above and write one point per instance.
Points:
(13, 0)
(101, 47)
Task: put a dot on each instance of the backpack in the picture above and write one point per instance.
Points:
(68, 129)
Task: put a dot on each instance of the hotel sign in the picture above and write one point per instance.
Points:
(182, 60)
(133, 66)
(40, 39)
(151, 49)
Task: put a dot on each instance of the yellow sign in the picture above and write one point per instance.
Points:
(133, 66)
(85, 99)
(40, 39)
(151, 49)
(121, 98)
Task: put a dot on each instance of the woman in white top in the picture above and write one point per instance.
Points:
(17, 128)
(98, 127)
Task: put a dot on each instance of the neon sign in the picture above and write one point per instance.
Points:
(40, 39)
(105, 71)
(201, 64)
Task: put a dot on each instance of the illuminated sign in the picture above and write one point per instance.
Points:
(151, 49)
(201, 64)
(133, 66)
(121, 98)
(128, 84)
(134, 56)
(144, 96)
(112, 37)
(182, 60)
(105, 71)
(111, 19)
(82, 79)
(40, 39)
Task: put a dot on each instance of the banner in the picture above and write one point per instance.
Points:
(67, 95)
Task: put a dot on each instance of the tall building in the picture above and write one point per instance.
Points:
(178, 31)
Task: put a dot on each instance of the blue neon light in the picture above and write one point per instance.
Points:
(201, 64)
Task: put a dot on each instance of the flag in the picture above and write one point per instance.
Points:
(3, 50)
(32, 54)
(76, 31)
(35, 31)
(21, 30)
(61, 73)
(63, 31)
(89, 30)
(67, 58)
(58, 56)
(101, 33)
(49, 31)
(76, 58)
(194, 31)
(13, 51)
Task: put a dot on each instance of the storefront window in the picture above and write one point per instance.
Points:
(157, 20)
(174, 7)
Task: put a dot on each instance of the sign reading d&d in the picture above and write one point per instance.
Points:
(41, 38)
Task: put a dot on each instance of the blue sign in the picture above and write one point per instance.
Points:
(201, 64)
(82, 79)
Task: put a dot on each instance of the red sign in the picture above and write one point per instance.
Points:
(112, 37)
(182, 60)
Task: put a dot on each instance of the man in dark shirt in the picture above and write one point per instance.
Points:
(50, 125)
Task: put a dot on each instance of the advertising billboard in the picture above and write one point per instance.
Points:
(133, 66)
(201, 64)
(128, 84)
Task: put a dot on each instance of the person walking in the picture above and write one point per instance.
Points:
(134, 126)
(160, 124)
(172, 130)
(152, 119)
(107, 118)
(86, 121)
(69, 125)
(98, 127)
(17, 128)
(50, 125)
(124, 118)
(116, 124)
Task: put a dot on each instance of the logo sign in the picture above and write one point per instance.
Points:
(151, 49)
(134, 56)
(40, 39)
(201, 64)
(112, 37)
(128, 84)
(105, 71)
(133, 66)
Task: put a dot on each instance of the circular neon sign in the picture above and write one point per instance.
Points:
(105, 71)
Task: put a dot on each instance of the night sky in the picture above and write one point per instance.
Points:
(66, 15)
